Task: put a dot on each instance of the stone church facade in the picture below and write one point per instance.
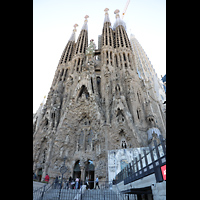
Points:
(96, 103)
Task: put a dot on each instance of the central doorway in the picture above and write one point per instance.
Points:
(89, 172)
(77, 171)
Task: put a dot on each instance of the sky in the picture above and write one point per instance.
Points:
(53, 22)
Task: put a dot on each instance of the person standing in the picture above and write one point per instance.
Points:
(97, 183)
(70, 180)
(56, 183)
(77, 180)
(87, 184)
(59, 182)
(46, 179)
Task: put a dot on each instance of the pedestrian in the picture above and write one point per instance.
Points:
(73, 184)
(97, 183)
(70, 180)
(59, 182)
(87, 184)
(77, 180)
(46, 179)
(56, 183)
(34, 176)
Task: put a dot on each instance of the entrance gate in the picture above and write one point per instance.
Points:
(77, 170)
(89, 172)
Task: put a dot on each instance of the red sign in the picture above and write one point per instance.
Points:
(163, 169)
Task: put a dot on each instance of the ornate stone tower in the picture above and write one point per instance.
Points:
(96, 103)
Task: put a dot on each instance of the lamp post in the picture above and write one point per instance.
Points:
(63, 169)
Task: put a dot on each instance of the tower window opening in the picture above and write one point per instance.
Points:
(116, 60)
(129, 57)
(125, 65)
(124, 56)
(65, 74)
(138, 114)
(138, 97)
(107, 54)
(92, 85)
(78, 61)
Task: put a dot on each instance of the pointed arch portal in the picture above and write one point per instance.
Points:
(77, 170)
(89, 172)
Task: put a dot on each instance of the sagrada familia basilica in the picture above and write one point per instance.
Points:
(100, 99)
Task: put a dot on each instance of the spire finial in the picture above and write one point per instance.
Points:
(106, 15)
(72, 38)
(75, 25)
(117, 13)
(106, 11)
(86, 16)
(85, 23)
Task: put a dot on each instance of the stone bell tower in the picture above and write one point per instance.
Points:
(96, 103)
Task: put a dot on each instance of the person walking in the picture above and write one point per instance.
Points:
(77, 180)
(70, 180)
(46, 179)
(97, 183)
(87, 184)
(56, 183)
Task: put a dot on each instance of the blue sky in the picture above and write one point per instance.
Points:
(53, 22)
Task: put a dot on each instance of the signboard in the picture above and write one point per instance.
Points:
(63, 169)
(163, 169)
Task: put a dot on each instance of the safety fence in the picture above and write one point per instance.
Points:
(148, 163)
(104, 191)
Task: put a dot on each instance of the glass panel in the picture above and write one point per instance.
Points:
(154, 154)
(139, 166)
(143, 162)
(149, 158)
(160, 149)
(135, 168)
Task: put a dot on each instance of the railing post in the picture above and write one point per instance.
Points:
(145, 157)
(140, 161)
(133, 166)
(156, 147)
(43, 191)
(151, 152)
(162, 143)
(136, 164)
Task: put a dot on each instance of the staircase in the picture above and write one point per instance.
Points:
(75, 194)
(53, 194)
(101, 194)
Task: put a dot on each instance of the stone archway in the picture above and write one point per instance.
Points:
(89, 172)
(77, 170)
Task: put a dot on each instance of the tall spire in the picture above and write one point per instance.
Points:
(72, 38)
(85, 26)
(106, 19)
(118, 21)
(67, 53)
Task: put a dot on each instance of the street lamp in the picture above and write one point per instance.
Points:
(63, 169)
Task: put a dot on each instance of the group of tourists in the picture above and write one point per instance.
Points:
(71, 184)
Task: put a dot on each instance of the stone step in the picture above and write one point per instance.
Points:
(69, 194)
(53, 194)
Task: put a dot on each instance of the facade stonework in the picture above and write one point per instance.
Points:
(96, 103)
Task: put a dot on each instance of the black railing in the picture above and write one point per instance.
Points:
(105, 191)
(145, 165)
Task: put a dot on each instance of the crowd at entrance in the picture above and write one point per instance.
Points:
(74, 182)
